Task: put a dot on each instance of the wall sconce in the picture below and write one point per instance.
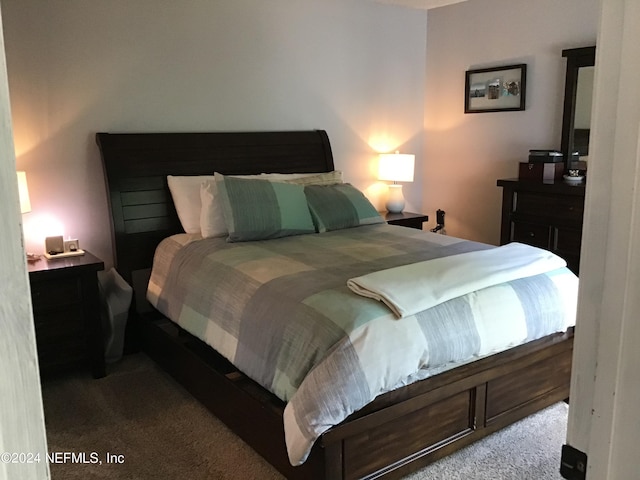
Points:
(396, 167)
(23, 191)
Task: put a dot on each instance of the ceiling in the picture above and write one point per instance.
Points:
(421, 4)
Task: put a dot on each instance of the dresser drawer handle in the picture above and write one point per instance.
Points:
(532, 235)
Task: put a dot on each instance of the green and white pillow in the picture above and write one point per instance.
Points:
(212, 222)
(335, 207)
(259, 210)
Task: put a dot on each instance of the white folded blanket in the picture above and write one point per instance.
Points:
(412, 288)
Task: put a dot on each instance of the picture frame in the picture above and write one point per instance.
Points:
(495, 89)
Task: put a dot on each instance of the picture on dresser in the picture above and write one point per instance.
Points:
(495, 89)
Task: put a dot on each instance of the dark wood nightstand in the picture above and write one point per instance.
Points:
(405, 219)
(66, 311)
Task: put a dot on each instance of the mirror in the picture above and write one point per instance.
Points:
(576, 119)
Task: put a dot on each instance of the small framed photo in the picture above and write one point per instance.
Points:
(497, 89)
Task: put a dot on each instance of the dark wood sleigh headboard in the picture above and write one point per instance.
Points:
(136, 166)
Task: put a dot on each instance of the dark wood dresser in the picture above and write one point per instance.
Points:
(546, 215)
(66, 311)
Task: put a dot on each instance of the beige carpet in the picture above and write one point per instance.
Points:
(161, 432)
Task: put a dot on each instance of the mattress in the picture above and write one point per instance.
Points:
(281, 312)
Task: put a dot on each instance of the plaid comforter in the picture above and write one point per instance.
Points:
(280, 310)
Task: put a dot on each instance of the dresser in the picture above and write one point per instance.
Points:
(66, 312)
(546, 215)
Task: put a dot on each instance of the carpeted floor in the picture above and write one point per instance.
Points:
(139, 415)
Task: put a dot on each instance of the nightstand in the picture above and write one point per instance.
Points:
(405, 219)
(66, 311)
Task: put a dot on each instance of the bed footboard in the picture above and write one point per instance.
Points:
(396, 434)
(445, 413)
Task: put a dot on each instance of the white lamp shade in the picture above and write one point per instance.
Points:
(396, 167)
(23, 191)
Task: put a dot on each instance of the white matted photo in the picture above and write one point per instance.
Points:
(495, 89)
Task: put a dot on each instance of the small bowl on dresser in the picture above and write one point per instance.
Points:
(573, 179)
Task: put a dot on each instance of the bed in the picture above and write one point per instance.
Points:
(397, 432)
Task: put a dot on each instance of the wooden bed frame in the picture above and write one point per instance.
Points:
(399, 432)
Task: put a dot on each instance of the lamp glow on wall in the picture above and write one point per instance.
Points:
(23, 191)
(396, 167)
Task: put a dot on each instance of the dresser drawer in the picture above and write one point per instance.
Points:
(568, 240)
(560, 207)
(531, 234)
(47, 294)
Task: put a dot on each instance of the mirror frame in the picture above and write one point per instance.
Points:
(576, 58)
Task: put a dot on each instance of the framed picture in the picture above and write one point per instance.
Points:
(497, 89)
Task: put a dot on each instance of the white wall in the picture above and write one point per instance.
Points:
(21, 415)
(466, 154)
(354, 68)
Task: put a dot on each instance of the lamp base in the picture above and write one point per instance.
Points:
(395, 199)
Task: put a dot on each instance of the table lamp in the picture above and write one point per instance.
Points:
(25, 205)
(23, 191)
(396, 167)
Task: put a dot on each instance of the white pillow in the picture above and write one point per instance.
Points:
(211, 217)
(279, 177)
(326, 178)
(212, 223)
(185, 191)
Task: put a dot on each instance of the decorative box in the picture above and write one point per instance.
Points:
(545, 156)
(541, 172)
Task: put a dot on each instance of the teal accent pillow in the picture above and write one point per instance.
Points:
(335, 207)
(260, 210)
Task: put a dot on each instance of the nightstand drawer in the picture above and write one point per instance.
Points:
(48, 294)
(66, 351)
(531, 234)
(60, 322)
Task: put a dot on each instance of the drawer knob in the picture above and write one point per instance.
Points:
(531, 234)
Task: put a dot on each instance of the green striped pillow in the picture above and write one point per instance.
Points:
(335, 207)
(259, 210)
